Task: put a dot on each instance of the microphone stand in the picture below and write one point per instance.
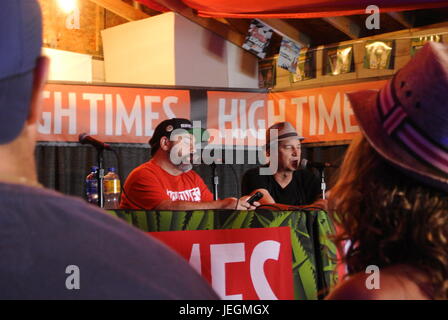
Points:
(215, 181)
(100, 177)
(323, 185)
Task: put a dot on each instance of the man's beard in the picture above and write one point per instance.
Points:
(184, 167)
(186, 164)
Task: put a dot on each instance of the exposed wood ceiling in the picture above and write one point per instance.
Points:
(308, 32)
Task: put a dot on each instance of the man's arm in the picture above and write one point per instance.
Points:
(268, 200)
(227, 203)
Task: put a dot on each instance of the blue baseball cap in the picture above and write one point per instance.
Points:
(20, 47)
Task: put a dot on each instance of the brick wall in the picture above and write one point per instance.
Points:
(86, 39)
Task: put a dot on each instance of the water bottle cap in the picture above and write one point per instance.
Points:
(112, 169)
(94, 169)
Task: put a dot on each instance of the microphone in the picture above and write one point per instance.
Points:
(306, 164)
(84, 138)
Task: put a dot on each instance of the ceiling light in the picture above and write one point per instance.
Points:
(67, 5)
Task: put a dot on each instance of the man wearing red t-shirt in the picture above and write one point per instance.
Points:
(166, 182)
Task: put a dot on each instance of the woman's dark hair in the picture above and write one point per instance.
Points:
(390, 218)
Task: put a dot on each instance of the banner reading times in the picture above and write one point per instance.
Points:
(318, 114)
(111, 114)
(130, 115)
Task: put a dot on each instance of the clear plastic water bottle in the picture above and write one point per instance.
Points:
(112, 188)
(92, 186)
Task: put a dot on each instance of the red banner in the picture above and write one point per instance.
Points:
(236, 118)
(130, 115)
(112, 114)
(320, 114)
(240, 264)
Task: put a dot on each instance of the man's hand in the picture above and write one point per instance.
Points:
(267, 198)
(239, 204)
(246, 205)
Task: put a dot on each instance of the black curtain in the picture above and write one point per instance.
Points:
(63, 167)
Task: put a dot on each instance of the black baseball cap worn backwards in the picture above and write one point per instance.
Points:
(165, 128)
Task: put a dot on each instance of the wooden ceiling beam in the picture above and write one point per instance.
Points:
(220, 27)
(122, 9)
(403, 19)
(285, 29)
(137, 5)
(132, 13)
(345, 25)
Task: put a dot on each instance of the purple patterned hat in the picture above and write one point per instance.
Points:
(406, 122)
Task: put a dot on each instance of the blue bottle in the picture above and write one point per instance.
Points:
(92, 186)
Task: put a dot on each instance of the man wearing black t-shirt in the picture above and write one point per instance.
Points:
(285, 184)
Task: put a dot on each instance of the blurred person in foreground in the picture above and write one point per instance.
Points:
(391, 200)
(54, 246)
